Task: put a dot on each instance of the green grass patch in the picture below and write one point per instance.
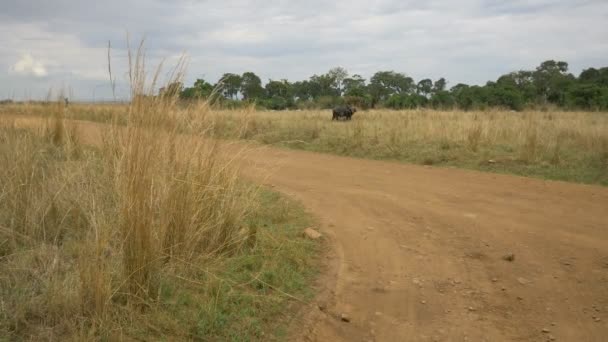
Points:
(249, 296)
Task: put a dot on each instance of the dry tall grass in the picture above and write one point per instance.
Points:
(559, 145)
(91, 237)
(570, 146)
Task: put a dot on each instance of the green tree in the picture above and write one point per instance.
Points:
(200, 89)
(588, 96)
(424, 87)
(406, 101)
(354, 86)
(302, 90)
(469, 97)
(439, 85)
(504, 96)
(442, 100)
(277, 103)
(596, 76)
(230, 85)
(251, 86)
(386, 83)
(322, 85)
(282, 89)
(523, 81)
(552, 81)
(337, 75)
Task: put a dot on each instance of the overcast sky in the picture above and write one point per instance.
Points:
(62, 43)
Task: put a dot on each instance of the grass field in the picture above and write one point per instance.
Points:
(568, 146)
(142, 236)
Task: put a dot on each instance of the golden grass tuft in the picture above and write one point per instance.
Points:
(90, 235)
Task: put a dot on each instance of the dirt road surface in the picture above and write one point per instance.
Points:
(418, 253)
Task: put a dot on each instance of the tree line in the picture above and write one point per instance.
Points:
(549, 84)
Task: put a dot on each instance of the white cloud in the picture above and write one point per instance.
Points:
(28, 66)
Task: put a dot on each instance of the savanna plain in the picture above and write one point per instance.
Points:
(164, 220)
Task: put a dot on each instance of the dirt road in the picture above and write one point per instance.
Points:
(420, 251)
(417, 252)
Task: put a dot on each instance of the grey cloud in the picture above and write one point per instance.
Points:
(465, 41)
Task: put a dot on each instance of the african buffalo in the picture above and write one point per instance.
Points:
(343, 113)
